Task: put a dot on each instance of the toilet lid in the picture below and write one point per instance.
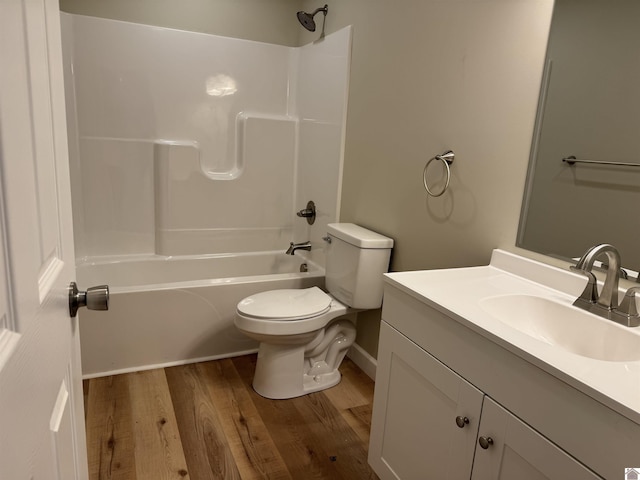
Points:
(286, 304)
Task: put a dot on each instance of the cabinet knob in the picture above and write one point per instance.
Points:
(462, 421)
(485, 442)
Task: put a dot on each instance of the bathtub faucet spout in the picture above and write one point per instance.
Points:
(298, 246)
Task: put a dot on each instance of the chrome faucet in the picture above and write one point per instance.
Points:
(608, 298)
(298, 246)
(606, 303)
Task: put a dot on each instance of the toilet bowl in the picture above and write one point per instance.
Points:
(302, 340)
(304, 333)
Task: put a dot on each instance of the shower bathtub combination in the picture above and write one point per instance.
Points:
(190, 155)
(176, 310)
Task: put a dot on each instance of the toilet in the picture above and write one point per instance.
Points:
(303, 334)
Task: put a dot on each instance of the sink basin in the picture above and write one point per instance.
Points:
(565, 326)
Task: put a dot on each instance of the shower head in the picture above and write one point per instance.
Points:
(306, 19)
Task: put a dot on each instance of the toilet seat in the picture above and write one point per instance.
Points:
(286, 304)
(288, 312)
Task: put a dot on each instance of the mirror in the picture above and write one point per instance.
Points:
(589, 108)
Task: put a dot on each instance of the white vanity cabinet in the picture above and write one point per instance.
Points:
(417, 403)
(428, 423)
(442, 389)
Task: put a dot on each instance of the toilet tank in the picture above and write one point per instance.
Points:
(356, 258)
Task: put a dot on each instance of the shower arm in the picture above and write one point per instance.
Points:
(320, 9)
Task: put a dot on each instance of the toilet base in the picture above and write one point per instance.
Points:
(277, 377)
(315, 383)
(288, 371)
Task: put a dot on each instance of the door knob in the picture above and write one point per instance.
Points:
(95, 298)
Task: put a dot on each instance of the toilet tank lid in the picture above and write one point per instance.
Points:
(358, 236)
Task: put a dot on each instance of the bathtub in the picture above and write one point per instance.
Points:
(167, 311)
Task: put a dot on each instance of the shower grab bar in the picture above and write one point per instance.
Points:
(573, 160)
(447, 159)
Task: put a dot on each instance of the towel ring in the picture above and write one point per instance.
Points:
(447, 159)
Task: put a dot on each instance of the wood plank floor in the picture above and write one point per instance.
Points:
(204, 421)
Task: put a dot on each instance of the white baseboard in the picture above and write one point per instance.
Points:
(362, 359)
(165, 365)
(357, 354)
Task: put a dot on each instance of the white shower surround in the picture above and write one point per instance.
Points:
(168, 162)
(187, 143)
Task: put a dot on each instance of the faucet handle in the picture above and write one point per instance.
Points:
(627, 312)
(628, 304)
(590, 292)
(309, 213)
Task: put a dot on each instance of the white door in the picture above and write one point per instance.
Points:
(41, 411)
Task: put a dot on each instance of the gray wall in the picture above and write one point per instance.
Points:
(426, 76)
(271, 21)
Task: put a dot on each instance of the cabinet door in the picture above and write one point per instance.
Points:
(414, 434)
(518, 451)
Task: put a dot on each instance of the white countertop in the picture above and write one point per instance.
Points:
(457, 293)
